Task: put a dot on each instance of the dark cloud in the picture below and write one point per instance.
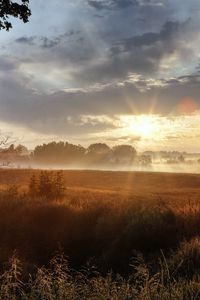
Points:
(111, 4)
(49, 43)
(26, 40)
(8, 64)
(96, 4)
(139, 54)
(107, 50)
(46, 42)
(63, 112)
(55, 41)
(168, 32)
(122, 62)
(121, 4)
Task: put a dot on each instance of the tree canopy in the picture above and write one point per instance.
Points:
(9, 9)
(98, 153)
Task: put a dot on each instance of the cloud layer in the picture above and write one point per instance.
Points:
(102, 59)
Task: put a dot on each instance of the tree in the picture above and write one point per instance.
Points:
(13, 9)
(45, 185)
(145, 160)
(59, 153)
(98, 148)
(6, 139)
(124, 154)
(11, 149)
(58, 185)
(98, 153)
(21, 150)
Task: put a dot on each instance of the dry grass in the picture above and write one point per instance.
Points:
(105, 218)
(60, 282)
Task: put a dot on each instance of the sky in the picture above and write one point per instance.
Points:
(113, 71)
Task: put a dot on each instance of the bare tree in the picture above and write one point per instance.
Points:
(6, 139)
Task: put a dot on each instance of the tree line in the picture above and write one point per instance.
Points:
(64, 153)
(97, 153)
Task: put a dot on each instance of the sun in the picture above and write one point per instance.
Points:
(143, 125)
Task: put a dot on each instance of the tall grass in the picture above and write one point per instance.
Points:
(60, 282)
(154, 245)
(107, 227)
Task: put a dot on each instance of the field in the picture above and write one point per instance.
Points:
(142, 184)
(144, 226)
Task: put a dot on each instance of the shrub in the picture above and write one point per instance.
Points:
(50, 185)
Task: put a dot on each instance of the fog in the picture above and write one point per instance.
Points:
(98, 156)
(193, 168)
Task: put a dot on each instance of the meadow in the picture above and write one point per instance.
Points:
(111, 235)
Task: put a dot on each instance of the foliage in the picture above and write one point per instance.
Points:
(95, 154)
(124, 152)
(13, 9)
(50, 185)
(98, 148)
(58, 153)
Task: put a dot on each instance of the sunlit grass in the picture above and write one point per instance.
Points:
(151, 239)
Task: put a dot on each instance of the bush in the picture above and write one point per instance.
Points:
(50, 185)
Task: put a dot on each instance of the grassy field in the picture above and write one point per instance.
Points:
(135, 183)
(144, 226)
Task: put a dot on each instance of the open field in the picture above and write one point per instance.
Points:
(134, 183)
(143, 224)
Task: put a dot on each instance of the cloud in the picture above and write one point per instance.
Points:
(26, 40)
(108, 50)
(97, 4)
(78, 75)
(121, 4)
(90, 110)
(141, 54)
(111, 4)
(46, 42)
(8, 64)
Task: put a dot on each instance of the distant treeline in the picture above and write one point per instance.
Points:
(64, 153)
(98, 153)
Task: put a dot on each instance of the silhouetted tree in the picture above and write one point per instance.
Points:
(13, 9)
(4, 140)
(98, 153)
(59, 185)
(21, 150)
(45, 185)
(145, 160)
(181, 158)
(59, 153)
(124, 154)
(11, 149)
(98, 148)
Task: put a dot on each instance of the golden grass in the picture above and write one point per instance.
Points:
(107, 218)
